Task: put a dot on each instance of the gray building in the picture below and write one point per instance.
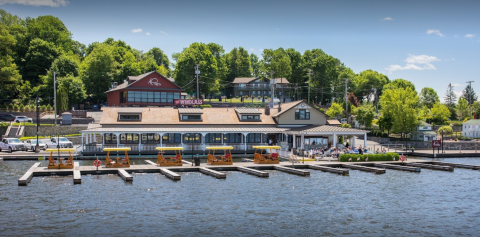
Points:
(252, 86)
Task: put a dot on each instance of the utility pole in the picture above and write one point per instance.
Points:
(309, 79)
(470, 95)
(55, 97)
(272, 84)
(37, 148)
(197, 72)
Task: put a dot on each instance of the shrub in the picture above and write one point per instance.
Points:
(457, 123)
(205, 106)
(49, 108)
(16, 108)
(371, 157)
(322, 110)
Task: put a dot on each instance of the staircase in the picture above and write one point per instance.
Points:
(13, 131)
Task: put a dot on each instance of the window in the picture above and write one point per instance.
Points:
(150, 138)
(192, 138)
(302, 114)
(151, 97)
(128, 138)
(129, 117)
(250, 117)
(254, 137)
(213, 138)
(232, 138)
(192, 117)
(123, 97)
(110, 138)
(171, 138)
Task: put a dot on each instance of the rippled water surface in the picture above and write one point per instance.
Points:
(430, 203)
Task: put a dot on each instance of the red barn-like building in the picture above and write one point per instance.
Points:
(151, 88)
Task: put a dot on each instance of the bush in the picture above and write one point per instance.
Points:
(457, 123)
(371, 157)
(322, 110)
(205, 106)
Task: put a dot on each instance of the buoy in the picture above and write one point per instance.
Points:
(97, 163)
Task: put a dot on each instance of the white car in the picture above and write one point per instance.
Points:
(12, 144)
(64, 143)
(32, 143)
(20, 119)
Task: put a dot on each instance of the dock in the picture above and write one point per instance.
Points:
(330, 169)
(125, 176)
(25, 179)
(455, 165)
(397, 167)
(292, 170)
(364, 168)
(216, 174)
(253, 171)
(432, 167)
(77, 176)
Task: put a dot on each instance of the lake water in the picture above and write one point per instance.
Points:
(429, 203)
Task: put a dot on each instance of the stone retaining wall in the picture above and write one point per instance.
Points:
(31, 131)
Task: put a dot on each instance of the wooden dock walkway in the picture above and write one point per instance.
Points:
(397, 167)
(432, 167)
(364, 168)
(455, 165)
(330, 169)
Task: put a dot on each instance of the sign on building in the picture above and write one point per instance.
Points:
(188, 102)
(436, 143)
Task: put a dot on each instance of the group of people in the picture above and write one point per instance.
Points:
(363, 150)
(334, 152)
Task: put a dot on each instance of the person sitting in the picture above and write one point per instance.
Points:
(377, 151)
(384, 151)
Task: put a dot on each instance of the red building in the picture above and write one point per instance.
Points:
(151, 88)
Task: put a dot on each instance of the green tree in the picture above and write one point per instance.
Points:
(476, 109)
(39, 59)
(197, 53)
(238, 64)
(10, 77)
(469, 94)
(400, 83)
(443, 130)
(462, 108)
(369, 84)
(49, 29)
(277, 61)
(62, 99)
(450, 97)
(255, 65)
(160, 58)
(97, 71)
(385, 122)
(428, 97)
(334, 110)
(219, 53)
(130, 67)
(400, 104)
(74, 90)
(440, 113)
(365, 115)
(325, 73)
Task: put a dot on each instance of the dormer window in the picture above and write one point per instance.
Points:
(302, 114)
(193, 114)
(130, 117)
(248, 115)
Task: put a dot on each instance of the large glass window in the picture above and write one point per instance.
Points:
(171, 138)
(110, 138)
(213, 138)
(192, 138)
(232, 138)
(129, 138)
(302, 114)
(150, 138)
(151, 97)
(254, 137)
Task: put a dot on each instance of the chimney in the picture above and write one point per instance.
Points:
(267, 110)
(279, 107)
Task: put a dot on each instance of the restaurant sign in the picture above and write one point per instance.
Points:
(188, 102)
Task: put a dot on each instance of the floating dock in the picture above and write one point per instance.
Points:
(292, 170)
(364, 168)
(397, 167)
(473, 167)
(432, 167)
(330, 169)
(253, 171)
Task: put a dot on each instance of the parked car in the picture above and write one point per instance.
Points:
(64, 143)
(7, 117)
(21, 119)
(95, 107)
(12, 144)
(30, 144)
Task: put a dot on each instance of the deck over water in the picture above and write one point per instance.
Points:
(216, 170)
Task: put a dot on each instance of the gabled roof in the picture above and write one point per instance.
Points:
(472, 122)
(327, 129)
(333, 122)
(287, 106)
(248, 111)
(282, 81)
(244, 80)
(136, 79)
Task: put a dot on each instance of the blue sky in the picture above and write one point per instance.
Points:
(431, 43)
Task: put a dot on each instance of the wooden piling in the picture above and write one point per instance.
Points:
(364, 168)
(170, 174)
(253, 172)
(25, 179)
(397, 167)
(433, 167)
(125, 175)
(77, 176)
(292, 170)
(330, 169)
(213, 173)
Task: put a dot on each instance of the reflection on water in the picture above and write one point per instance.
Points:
(430, 203)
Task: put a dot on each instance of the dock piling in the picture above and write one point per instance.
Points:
(213, 173)
(329, 169)
(253, 171)
(77, 176)
(364, 168)
(125, 175)
(292, 170)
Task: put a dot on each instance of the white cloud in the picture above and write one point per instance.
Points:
(415, 62)
(137, 30)
(437, 32)
(148, 33)
(387, 19)
(163, 32)
(469, 35)
(37, 3)
(456, 36)
(456, 84)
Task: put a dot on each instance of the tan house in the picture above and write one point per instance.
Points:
(291, 125)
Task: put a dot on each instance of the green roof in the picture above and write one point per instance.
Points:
(473, 121)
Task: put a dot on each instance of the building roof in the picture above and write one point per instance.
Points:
(327, 129)
(257, 129)
(286, 106)
(282, 81)
(169, 116)
(429, 133)
(246, 80)
(135, 79)
(472, 122)
(248, 111)
(333, 122)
